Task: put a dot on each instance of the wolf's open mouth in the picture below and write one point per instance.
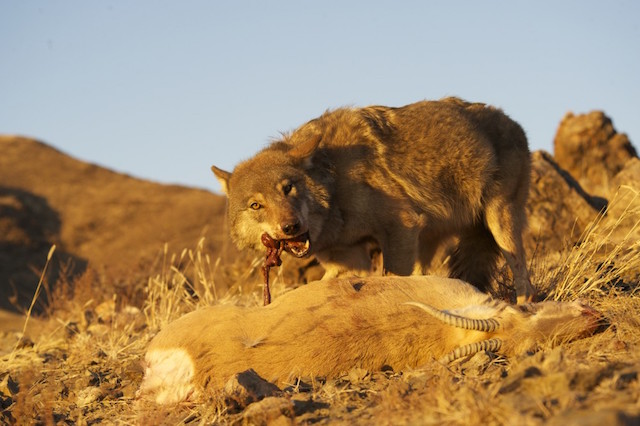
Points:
(298, 246)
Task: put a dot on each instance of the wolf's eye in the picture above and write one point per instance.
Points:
(255, 205)
(287, 188)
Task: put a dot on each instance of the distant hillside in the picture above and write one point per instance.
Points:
(116, 223)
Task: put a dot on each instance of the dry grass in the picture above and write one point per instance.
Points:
(84, 366)
(608, 255)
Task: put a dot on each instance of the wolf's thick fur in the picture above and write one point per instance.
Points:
(400, 178)
(331, 326)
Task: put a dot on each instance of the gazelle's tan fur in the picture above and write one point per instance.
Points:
(328, 327)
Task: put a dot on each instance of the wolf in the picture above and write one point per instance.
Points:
(402, 179)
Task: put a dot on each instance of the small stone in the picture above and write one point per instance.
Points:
(248, 387)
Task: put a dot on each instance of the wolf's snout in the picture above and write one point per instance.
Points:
(290, 228)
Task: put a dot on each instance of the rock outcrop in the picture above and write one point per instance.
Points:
(558, 209)
(591, 150)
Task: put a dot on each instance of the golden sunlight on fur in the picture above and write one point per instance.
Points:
(328, 327)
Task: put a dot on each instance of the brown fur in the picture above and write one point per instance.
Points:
(405, 178)
(330, 326)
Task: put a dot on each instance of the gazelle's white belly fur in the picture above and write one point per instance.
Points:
(168, 375)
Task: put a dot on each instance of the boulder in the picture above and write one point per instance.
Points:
(246, 388)
(591, 150)
(558, 209)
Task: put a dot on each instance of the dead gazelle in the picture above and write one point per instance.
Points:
(329, 327)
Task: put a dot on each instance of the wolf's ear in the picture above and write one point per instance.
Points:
(305, 141)
(223, 177)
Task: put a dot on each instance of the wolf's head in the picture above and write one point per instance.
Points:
(277, 192)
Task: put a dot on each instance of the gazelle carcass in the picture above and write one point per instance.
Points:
(328, 327)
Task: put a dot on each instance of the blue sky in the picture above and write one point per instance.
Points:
(164, 89)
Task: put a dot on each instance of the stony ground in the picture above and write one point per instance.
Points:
(82, 364)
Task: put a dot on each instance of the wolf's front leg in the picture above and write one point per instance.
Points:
(353, 260)
(400, 251)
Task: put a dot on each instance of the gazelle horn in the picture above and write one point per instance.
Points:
(487, 325)
(492, 345)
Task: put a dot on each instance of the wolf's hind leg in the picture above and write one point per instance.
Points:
(506, 221)
(475, 257)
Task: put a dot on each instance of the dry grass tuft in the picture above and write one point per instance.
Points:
(607, 258)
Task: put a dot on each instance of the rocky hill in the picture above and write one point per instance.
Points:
(115, 223)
